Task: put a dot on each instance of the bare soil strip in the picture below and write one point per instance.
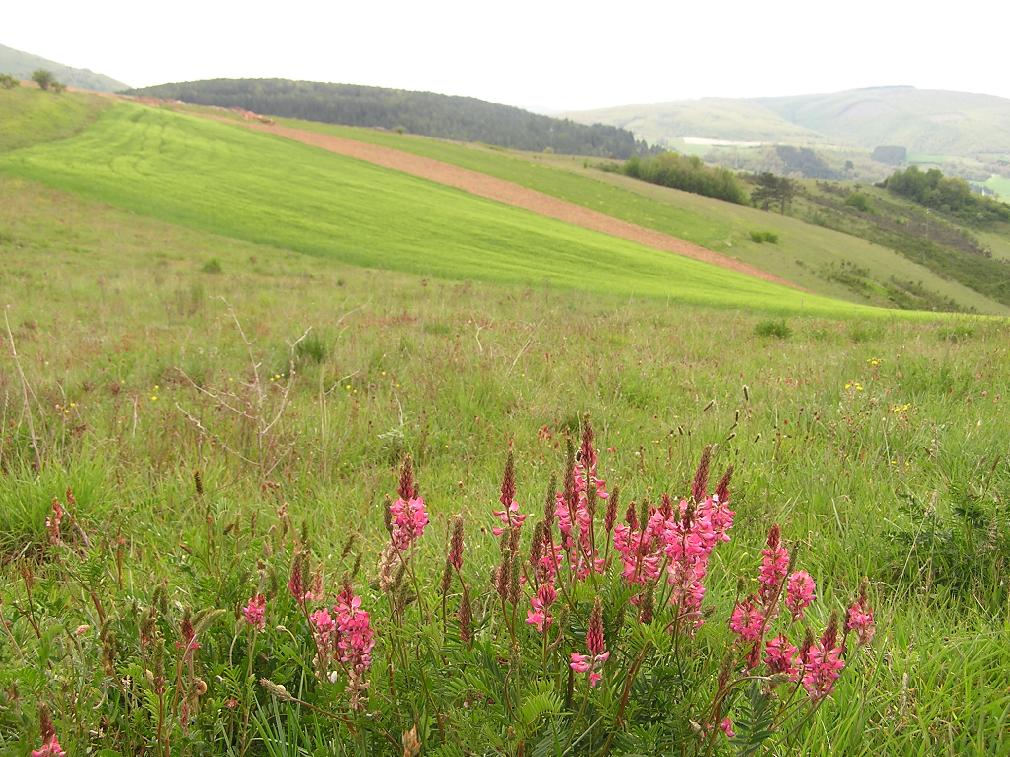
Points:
(510, 193)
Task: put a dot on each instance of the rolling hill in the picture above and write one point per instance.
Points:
(427, 113)
(258, 188)
(22, 64)
(924, 121)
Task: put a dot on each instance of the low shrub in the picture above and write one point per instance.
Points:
(212, 266)
(773, 329)
(764, 236)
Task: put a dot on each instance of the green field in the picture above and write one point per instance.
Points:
(227, 342)
(1000, 185)
(803, 254)
(273, 191)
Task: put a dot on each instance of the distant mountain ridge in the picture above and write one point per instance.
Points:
(22, 65)
(423, 113)
(937, 122)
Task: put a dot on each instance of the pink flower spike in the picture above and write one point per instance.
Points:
(50, 748)
(859, 619)
(747, 620)
(540, 617)
(774, 566)
(780, 656)
(409, 518)
(255, 612)
(800, 592)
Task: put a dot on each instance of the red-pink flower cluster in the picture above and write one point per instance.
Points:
(50, 748)
(255, 612)
(540, 617)
(592, 663)
(859, 619)
(774, 567)
(800, 592)
(346, 638)
(823, 663)
(408, 518)
(747, 620)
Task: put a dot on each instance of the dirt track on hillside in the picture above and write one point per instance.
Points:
(511, 194)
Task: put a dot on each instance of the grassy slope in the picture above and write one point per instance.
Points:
(268, 190)
(802, 251)
(107, 305)
(29, 115)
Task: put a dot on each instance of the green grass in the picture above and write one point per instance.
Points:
(802, 254)
(30, 116)
(1000, 185)
(273, 191)
(113, 317)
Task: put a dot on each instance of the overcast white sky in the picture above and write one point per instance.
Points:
(556, 55)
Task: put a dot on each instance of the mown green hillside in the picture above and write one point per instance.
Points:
(29, 115)
(22, 65)
(806, 253)
(259, 188)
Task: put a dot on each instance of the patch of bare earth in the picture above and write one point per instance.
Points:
(510, 193)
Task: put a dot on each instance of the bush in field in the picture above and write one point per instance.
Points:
(764, 236)
(687, 173)
(590, 635)
(773, 329)
(860, 201)
(43, 78)
(9, 82)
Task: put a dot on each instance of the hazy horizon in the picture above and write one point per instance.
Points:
(547, 58)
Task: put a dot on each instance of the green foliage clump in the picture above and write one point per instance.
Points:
(9, 82)
(946, 194)
(773, 329)
(212, 266)
(764, 236)
(43, 78)
(860, 201)
(687, 173)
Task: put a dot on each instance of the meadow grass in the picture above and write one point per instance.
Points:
(841, 432)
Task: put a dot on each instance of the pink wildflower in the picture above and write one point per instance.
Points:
(726, 726)
(322, 626)
(800, 592)
(780, 656)
(774, 566)
(540, 617)
(356, 638)
(409, 518)
(747, 620)
(823, 663)
(187, 642)
(50, 748)
(859, 618)
(592, 663)
(255, 612)
(509, 514)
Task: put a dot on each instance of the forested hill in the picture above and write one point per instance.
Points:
(426, 113)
